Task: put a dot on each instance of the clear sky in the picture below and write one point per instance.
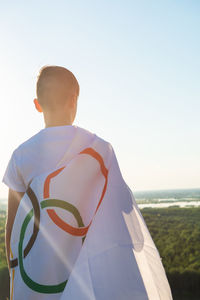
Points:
(138, 66)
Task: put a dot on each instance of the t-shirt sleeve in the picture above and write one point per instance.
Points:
(12, 177)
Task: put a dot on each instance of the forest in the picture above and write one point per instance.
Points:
(176, 233)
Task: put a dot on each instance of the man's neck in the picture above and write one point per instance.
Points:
(52, 124)
(61, 119)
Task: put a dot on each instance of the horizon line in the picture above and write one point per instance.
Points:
(142, 191)
(172, 189)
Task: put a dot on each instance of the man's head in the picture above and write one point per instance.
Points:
(57, 90)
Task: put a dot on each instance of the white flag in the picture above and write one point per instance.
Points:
(79, 235)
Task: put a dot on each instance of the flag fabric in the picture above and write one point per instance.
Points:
(79, 234)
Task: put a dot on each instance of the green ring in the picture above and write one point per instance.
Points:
(45, 289)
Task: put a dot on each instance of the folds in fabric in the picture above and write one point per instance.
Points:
(78, 234)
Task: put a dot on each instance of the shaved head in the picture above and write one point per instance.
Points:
(55, 87)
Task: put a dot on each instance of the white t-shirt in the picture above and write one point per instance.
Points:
(39, 154)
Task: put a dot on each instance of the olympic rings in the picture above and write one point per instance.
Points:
(81, 230)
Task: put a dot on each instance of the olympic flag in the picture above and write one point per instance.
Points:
(78, 233)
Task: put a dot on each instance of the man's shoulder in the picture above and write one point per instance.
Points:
(83, 135)
(96, 137)
(30, 142)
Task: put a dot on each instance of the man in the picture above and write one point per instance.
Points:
(77, 232)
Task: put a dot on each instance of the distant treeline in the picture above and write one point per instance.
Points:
(165, 194)
(176, 233)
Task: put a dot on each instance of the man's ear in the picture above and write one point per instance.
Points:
(37, 105)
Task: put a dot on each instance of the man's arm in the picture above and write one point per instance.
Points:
(13, 203)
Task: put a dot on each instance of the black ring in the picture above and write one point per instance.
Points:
(36, 208)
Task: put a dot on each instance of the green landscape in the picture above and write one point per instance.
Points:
(176, 233)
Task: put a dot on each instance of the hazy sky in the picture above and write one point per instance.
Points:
(138, 66)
